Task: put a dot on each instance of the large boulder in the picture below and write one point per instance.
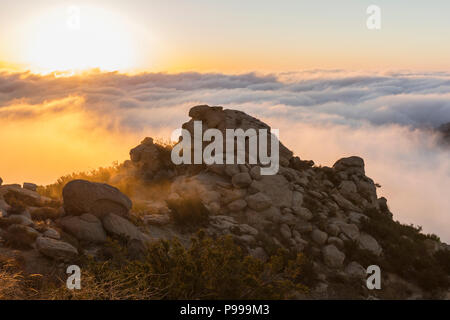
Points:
(99, 199)
(86, 227)
(56, 249)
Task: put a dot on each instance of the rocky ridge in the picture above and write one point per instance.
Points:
(322, 212)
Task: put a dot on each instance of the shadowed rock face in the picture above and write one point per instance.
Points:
(98, 199)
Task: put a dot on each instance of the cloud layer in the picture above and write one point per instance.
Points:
(322, 115)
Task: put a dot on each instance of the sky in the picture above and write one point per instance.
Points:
(224, 36)
(311, 69)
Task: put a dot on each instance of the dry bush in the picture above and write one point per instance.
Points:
(209, 269)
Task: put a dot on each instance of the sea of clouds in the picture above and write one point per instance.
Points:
(386, 118)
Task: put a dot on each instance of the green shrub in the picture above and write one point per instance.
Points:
(404, 251)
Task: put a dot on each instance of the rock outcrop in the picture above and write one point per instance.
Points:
(325, 213)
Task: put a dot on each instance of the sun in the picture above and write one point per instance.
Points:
(73, 39)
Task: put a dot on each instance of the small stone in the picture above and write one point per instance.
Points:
(285, 232)
(255, 172)
(332, 256)
(52, 233)
(232, 169)
(367, 242)
(30, 186)
(336, 241)
(304, 228)
(237, 205)
(243, 168)
(354, 269)
(350, 230)
(259, 253)
(242, 180)
(258, 201)
(156, 219)
(303, 213)
(319, 236)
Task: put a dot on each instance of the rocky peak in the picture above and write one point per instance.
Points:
(332, 216)
(218, 118)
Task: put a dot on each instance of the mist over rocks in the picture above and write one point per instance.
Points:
(331, 215)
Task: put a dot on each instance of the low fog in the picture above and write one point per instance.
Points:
(54, 126)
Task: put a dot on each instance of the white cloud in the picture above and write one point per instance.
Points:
(322, 115)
